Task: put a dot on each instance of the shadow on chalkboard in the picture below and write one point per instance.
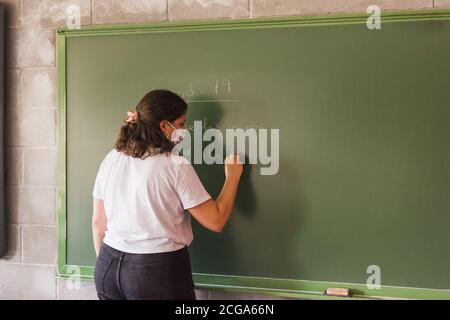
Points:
(245, 199)
(211, 253)
(268, 225)
(211, 114)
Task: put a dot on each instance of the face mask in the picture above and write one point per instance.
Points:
(178, 135)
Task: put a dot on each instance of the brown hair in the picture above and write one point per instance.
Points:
(144, 137)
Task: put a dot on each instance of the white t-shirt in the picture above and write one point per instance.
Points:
(145, 201)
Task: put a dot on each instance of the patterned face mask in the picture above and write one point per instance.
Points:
(178, 135)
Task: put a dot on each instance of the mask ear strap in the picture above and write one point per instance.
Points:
(170, 124)
(166, 134)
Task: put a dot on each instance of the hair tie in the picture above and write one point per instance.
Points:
(132, 117)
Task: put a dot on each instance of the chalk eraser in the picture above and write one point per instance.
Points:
(340, 292)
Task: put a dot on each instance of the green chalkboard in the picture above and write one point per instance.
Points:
(364, 165)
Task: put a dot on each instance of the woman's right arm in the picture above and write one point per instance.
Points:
(214, 214)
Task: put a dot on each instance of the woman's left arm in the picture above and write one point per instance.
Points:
(99, 221)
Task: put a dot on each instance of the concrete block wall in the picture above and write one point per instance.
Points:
(29, 268)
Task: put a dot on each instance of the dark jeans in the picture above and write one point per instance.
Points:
(158, 276)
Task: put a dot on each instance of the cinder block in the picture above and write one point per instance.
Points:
(27, 127)
(12, 244)
(31, 205)
(39, 245)
(128, 11)
(75, 289)
(208, 9)
(14, 166)
(442, 3)
(228, 295)
(40, 167)
(12, 12)
(39, 88)
(27, 282)
(31, 48)
(54, 13)
(262, 8)
(13, 88)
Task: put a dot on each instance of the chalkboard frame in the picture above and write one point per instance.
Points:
(269, 286)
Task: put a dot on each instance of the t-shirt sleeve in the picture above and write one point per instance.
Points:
(190, 189)
(98, 192)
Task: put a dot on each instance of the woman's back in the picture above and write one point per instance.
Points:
(145, 201)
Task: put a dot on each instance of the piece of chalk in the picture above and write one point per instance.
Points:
(340, 292)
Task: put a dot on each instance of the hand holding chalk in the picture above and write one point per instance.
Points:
(233, 167)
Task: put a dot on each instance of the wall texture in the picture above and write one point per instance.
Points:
(29, 268)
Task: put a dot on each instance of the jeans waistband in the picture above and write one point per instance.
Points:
(137, 257)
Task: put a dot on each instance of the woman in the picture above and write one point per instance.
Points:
(140, 228)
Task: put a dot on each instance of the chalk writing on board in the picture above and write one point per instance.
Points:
(218, 91)
(190, 126)
(216, 100)
(220, 84)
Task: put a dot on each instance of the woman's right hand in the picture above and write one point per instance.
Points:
(233, 167)
(214, 215)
